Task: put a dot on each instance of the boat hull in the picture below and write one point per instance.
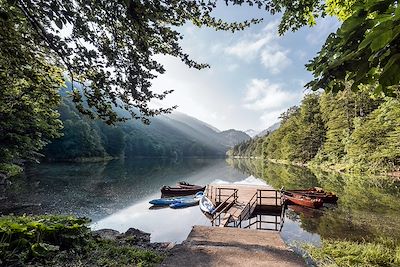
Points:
(186, 200)
(304, 201)
(178, 191)
(206, 205)
(326, 197)
(165, 201)
(184, 204)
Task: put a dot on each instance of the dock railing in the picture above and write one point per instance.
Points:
(225, 198)
(249, 208)
(223, 204)
(257, 200)
(277, 195)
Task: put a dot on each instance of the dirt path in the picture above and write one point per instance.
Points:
(215, 246)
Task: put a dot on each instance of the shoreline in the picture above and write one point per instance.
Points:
(395, 174)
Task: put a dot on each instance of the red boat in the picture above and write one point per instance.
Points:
(316, 192)
(303, 200)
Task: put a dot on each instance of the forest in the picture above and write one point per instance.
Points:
(344, 131)
(85, 139)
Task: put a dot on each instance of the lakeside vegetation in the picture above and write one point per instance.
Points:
(343, 131)
(51, 240)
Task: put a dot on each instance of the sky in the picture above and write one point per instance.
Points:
(255, 74)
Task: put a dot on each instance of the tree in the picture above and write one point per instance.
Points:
(28, 92)
(109, 45)
(311, 132)
(338, 113)
(364, 50)
(375, 142)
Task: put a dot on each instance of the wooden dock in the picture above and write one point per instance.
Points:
(215, 246)
(237, 203)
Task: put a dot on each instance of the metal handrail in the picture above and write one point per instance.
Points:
(234, 195)
(260, 197)
(249, 208)
(255, 199)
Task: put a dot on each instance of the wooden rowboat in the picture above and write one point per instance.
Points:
(316, 192)
(303, 200)
(187, 185)
(179, 191)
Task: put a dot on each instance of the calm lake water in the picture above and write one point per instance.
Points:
(116, 195)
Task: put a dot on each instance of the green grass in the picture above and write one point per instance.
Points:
(382, 252)
(52, 240)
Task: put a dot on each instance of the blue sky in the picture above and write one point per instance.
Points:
(255, 74)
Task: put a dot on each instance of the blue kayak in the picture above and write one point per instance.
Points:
(167, 201)
(173, 200)
(185, 203)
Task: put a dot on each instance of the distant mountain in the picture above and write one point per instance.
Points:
(190, 120)
(203, 132)
(251, 132)
(232, 137)
(270, 129)
(173, 135)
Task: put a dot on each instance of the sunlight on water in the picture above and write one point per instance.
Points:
(164, 223)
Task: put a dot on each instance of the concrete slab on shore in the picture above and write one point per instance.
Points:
(215, 246)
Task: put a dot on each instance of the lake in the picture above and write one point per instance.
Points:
(115, 195)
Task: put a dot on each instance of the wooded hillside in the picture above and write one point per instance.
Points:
(346, 130)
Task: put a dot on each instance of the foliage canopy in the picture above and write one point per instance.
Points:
(364, 50)
(28, 92)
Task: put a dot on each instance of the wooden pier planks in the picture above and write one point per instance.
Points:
(243, 207)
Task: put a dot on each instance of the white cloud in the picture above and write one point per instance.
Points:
(248, 49)
(263, 46)
(264, 95)
(268, 118)
(249, 46)
(232, 67)
(275, 60)
(270, 99)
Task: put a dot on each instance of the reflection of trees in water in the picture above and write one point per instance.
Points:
(276, 175)
(249, 166)
(368, 207)
(93, 189)
(289, 177)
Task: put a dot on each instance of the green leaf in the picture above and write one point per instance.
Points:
(391, 73)
(43, 249)
(383, 39)
(350, 25)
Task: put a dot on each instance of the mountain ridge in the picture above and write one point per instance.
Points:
(170, 135)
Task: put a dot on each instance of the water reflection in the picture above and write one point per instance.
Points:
(164, 224)
(96, 190)
(116, 194)
(368, 207)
